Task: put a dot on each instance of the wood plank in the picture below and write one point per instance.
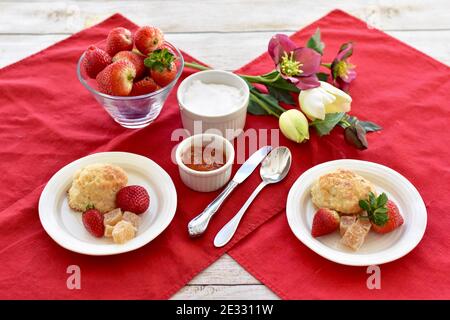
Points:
(240, 48)
(224, 271)
(216, 15)
(242, 292)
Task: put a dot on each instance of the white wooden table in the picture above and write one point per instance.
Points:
(226, 35)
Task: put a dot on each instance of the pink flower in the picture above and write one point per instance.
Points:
(298, 65)
(342, 71)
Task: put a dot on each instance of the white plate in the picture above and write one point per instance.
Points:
(377, 249)
(65, 226)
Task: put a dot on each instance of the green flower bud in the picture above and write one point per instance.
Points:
(294, 125)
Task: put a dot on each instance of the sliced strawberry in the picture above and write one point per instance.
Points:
(93, 222)
(133, 198)
(95, 60)
(144, 86)
(325, 221)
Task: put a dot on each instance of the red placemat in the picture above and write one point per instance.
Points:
(48, 120)
(406, 92)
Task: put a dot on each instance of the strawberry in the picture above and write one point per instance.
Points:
(119, 39)
(144, 86)
(162, 66)
(382, 212)
(93, 222)
(135, 58)
(117, 78)
(133, 198)
(325, 221)
(148, 39)
(95, 60)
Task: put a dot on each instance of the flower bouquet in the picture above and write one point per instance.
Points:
(320, 100)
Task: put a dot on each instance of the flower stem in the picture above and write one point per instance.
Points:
(264, 79)
(195, 65)
(263, 105)
(253, 79)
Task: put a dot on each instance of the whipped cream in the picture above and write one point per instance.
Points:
(212, 99)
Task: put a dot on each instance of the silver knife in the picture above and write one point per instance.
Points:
(198, 225)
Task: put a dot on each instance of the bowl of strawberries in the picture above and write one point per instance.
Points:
(131, 75)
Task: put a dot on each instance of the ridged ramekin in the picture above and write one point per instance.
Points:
(205, 181)
(228, 125)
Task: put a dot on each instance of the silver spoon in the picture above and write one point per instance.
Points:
(273, 169)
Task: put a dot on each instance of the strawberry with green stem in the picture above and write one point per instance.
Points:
(162, 66)
(382, 213)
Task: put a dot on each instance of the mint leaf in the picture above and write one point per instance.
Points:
(315, 42)
(372, 200)
(376, 208)
(325, 126)
(382, 200)
(364, 205)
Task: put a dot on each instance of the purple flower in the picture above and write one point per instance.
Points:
(296, 64)
(342, 71)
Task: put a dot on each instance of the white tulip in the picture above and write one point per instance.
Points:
(317, 102)
(294, 125)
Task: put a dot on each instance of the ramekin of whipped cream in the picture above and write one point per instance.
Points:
(213, 101)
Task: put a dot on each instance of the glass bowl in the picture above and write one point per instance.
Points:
(132, 111)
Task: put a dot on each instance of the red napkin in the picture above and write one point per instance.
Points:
(406, 92)
(48, 120)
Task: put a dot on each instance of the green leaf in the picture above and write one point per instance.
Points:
(367, 125)
(280, 95)
(355, 135)
(376, 208)
(364, 205)
(370, 126)
(325, 126)
(322, 76)
(381, 210)
(382, 200)
(255, 109)
(372, 200)
(160, 60)
(315, 42)
(283, 84)
(379, 219)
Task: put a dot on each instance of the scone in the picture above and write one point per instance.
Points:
(341, 190)
(96, 185)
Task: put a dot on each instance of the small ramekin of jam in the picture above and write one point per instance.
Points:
(205, 161)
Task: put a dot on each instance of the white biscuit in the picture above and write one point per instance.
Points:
(96, 185)
(341, 190)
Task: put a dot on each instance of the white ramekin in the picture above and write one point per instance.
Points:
(205, 181)
(228, 125)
